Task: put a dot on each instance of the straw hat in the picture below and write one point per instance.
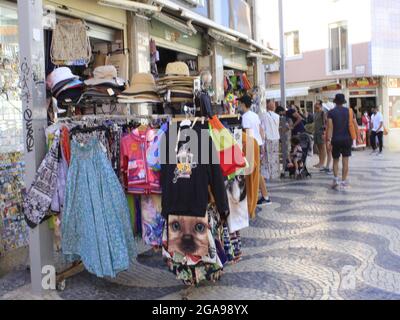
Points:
(177, 69)
(103, 75)
(141, 82)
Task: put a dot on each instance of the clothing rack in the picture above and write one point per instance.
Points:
(78, 267)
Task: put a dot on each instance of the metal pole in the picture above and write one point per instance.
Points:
(283, 59)
(33, 97)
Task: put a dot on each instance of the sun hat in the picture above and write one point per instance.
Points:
(58, 75)
(142, 82)
(105, 75)
(177, 69)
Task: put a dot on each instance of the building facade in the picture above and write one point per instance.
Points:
(340, 46)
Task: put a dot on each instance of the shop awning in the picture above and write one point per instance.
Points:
(129, 5)
(275, 94)
(186, 28)
(225, 34)
(322, 84)
(229, 40)
(267, 58)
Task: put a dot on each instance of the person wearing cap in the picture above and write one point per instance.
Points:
(252, 123)
(339, 140)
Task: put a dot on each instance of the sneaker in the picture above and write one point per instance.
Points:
(264, 202)
(379, 154)
(373, 152)
(335, 183)
(344, 185)
(323, 169)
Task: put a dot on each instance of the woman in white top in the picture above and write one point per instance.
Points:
(270, 164)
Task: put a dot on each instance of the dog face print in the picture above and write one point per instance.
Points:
(188, 235)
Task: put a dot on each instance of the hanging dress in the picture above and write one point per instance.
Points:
(96, 226)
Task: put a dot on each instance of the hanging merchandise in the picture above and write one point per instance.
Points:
(152, 221)
(252, 151)
(70, 44)
(247, 85)
(230, 154)
(237, 197)
(139, 177)
(120, 62)
(39, 197)
(13, 230)
(96, 224)
(185, 183)
(232, 103)
(142, 89)
(192, 248)
(154, 58)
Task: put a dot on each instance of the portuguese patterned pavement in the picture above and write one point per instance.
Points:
(311, 243)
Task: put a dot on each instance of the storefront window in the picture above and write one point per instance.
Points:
(13, 231)
(198, 6)
(394, 112)
(234, 14)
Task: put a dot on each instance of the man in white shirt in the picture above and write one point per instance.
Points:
(270, 160)
(252, 123)
(377, 130)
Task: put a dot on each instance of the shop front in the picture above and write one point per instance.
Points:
(363, 95)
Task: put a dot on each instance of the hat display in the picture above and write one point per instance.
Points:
(177, 85)
(105, 75)
(59, 75)
(177, 69)
(142, 90)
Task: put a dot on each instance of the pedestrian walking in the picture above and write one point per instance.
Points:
(319, 134)
(342, 130)
(252, 123)
(377, 131)
(270, 165)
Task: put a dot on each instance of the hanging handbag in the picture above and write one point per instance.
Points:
(70, 44)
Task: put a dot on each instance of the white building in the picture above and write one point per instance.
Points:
(349, 46)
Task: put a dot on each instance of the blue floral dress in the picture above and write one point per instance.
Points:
(96, 226)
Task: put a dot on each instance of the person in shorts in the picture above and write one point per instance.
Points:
(339, 140)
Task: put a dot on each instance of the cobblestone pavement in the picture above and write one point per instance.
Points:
(312, 243)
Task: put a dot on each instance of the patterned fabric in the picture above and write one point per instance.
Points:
(39, 197)
(96, 225)
(270, 167)
(152, 221)
(13, 229)
(238, 218)
(193, 270)
(140, 177)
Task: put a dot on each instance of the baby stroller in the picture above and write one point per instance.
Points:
(306, 144)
